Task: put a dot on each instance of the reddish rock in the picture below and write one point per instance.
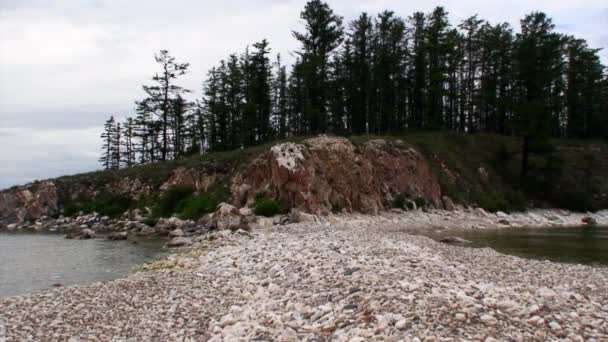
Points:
(329, 174)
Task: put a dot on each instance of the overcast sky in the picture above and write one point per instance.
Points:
(65, 66)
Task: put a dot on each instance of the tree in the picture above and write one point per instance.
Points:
(128, 149)
(160, 95)
(108, 148)
(323, 35)
(359, 72)
(280, 99)
(536, 54)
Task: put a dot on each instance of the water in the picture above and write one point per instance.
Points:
(34, 262)
(582, 245)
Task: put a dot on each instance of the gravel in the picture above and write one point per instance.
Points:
(349, 278)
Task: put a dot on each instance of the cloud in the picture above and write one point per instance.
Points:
(66, 65)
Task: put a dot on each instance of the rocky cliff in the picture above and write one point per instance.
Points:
(361, 174)
(326, 174)
(318, 175)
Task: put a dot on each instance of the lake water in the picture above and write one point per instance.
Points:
(583, 245)
(34, 262)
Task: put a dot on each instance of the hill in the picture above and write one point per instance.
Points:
(324, 174)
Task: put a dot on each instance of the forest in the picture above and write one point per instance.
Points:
(378, 74)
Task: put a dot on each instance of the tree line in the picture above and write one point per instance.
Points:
(375, 75)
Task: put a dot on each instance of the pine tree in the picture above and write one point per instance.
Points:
(323, 35)
(160, 95)
(108, 138)
(128, 149)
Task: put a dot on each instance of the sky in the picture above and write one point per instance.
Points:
(66, 66)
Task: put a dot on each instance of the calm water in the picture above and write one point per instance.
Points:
(33, 262)
(587, 245)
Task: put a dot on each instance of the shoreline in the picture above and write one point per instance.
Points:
(346, 277)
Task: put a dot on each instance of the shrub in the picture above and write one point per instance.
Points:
(107, 204)
(169, 201)
(197, 206)
(265, 206)
(401, 201)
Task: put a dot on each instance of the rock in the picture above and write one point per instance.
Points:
(553, 325)
(448, 204)
(504, 222)
(460, 317)
(401, 324)
(329, 174)
(118, 236)
(588, 220)
(489, 319)
(86, 234)
(480, 212)
(146, 230)
(502, 215)
(225, 209)
(280, 220)
(453, 240)
(179, 242)
(226, 216)
(176, 233)
(245, 211)
(536, 321)
(169, 223)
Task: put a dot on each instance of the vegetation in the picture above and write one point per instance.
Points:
(473, 169)
(263, 205)
(379, 75)
(107, 204)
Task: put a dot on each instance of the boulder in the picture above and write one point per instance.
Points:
(448, 204)
(169, 223)
(118, 236)
(179, 242)
(146, 230)
(176, 233)
(504, 222)
(226, 216)
(86, 234)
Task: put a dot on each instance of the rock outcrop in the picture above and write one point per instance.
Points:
(327, 174)
(29, 202)
(318, 176)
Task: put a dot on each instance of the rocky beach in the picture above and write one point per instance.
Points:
(341, 277)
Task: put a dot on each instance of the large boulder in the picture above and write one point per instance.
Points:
(328, 174)
(226, 216)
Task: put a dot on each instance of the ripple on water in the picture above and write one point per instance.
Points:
(34, 262)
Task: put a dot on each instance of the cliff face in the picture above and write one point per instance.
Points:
(319, 175)
(28, 203)
(330, 174)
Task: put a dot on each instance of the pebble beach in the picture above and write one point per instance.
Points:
(352, 278)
